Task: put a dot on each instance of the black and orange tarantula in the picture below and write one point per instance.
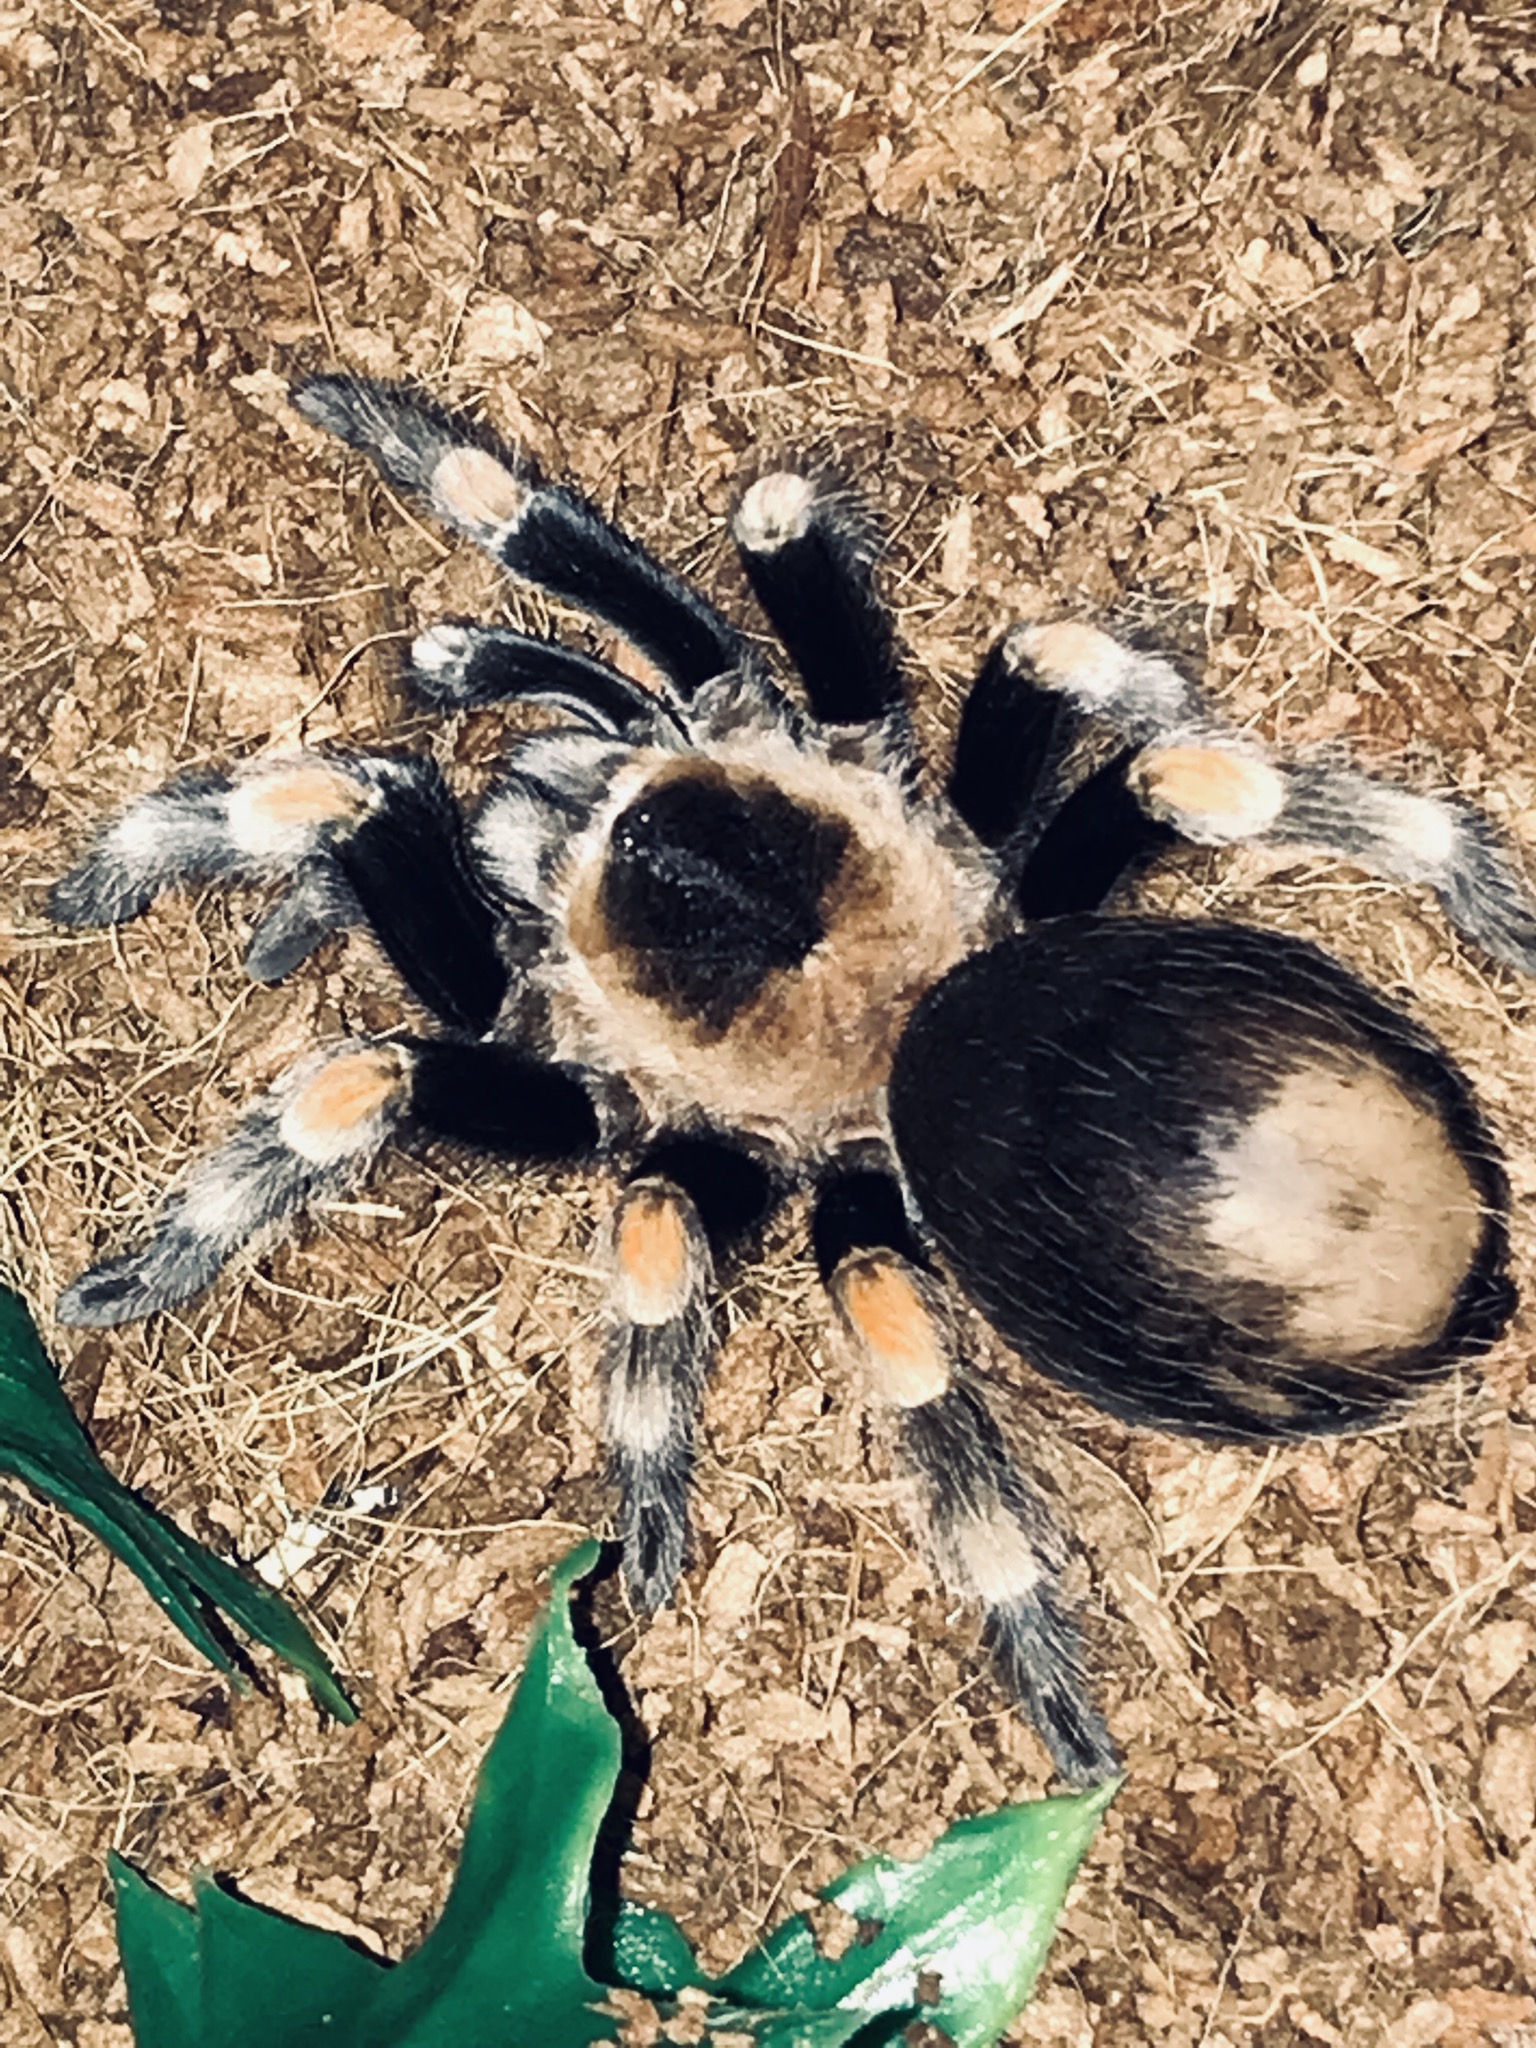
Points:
(724, 942)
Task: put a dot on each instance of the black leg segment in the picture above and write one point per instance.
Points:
(809, 560)
(1011, 733)
(859, 1206)
(462, 667)
(733, 1189)
(406, 865)
(498, 1099)
(1100, 835)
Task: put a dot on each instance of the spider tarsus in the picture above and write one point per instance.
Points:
(1038, 1655)
(97, 893)
(1486, 895)
(405, 431)
(318, 904)
(653, 1530)
(175, 834)
(176, 1264)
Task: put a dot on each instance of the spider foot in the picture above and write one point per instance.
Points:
(460, 470)
(1037, 1652)
(318, 904)
(179, 833)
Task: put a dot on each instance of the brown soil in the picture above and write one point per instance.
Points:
(1224, 319)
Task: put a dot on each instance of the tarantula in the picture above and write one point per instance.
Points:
(726, 943)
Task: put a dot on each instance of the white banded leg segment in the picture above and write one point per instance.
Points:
(1141, 695)
(312, 1138)
(264, 820)
(1219, 788)
(993, 1539)
(659, 1351)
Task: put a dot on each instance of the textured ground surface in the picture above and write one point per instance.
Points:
(1225, 317)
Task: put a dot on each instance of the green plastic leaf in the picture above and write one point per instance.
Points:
(157, 1938)
(42, 1442)
(507, 1954)
(651, 1952)
(956, 1937)
(268, 1979)
(975, 1916)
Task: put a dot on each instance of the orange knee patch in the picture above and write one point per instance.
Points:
(654, 1253)
(322, 1118)
(474, 488)
(272, 814)
(1215, 787)
(904, 1349)
(312, 795)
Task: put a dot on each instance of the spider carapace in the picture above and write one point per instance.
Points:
(719, 940)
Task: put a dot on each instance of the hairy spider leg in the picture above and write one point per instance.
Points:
(1099, 837)
(314, 1138)
(1187, 777)
(460, 667)
(1013, 734)
(547, 534)
(986, 1527)
(692, 1199)
(368, 839)
(407, 865)
(809, 555)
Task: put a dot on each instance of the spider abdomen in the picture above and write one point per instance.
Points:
(1202, 1174)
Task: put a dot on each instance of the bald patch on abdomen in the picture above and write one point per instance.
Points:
(1345, 1193)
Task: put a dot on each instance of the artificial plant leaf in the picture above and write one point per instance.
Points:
(651, 1952)
(974, 1917)
(157, 1938)
(268, 1979)
(505, 1963)
(42, 1442)
(957, 1937)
